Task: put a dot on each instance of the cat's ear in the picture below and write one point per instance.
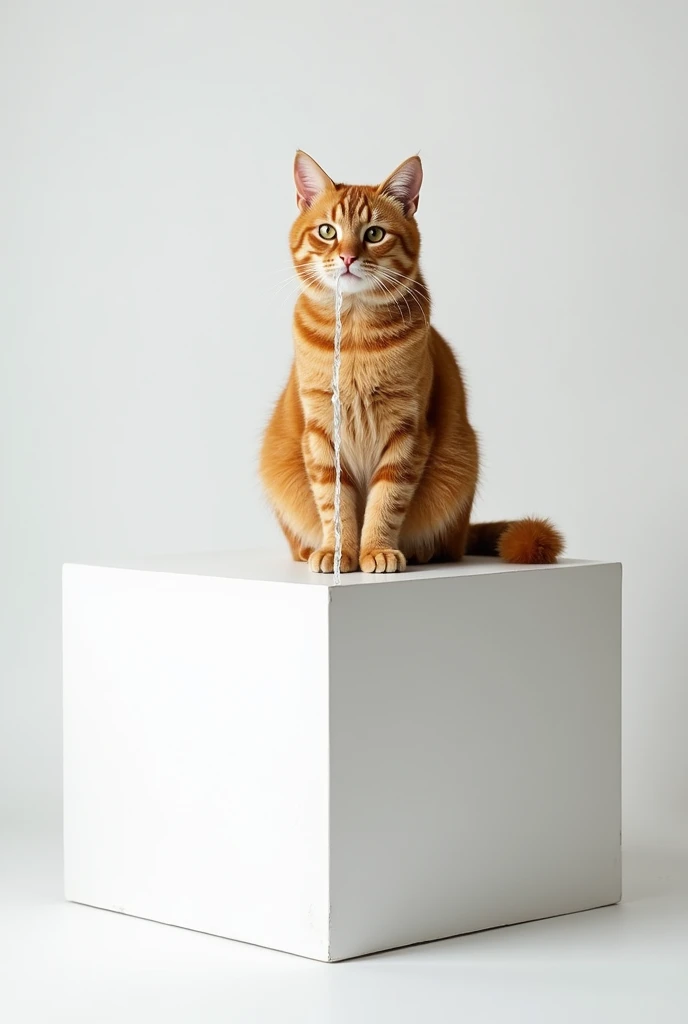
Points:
(404, 184)
(309, 178)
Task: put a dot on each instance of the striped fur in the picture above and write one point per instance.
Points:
(409, 453)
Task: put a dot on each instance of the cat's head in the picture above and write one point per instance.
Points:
(364, 234)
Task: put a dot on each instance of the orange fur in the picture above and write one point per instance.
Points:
(531, 542)
(409, 453)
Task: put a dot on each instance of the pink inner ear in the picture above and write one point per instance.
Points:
(404, 184)
(310, 179)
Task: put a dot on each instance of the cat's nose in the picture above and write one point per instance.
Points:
(348, 260)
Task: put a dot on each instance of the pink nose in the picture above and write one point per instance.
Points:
(348, 260)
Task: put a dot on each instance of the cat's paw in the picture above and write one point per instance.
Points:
(382, 560)
(322, 560)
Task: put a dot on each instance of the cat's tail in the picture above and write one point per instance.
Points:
(523, 541)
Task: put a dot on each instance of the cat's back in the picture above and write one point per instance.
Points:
(448, 398)
(283, 431)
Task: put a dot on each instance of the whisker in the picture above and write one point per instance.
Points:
(290, 296)
(414, 280)
(403, 295)
(291, 277)
(407, 284)
(413, 291)
(292, 271)
(303, 276)
(289, 266)
(410, 291)
(392, 297)
(298, 286)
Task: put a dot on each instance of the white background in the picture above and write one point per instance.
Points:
(145, 199)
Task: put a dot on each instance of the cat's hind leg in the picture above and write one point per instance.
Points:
(300, 552)
(437, 525)
(437, 542)
(288, 488)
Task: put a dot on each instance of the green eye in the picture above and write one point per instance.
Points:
(327, 231)
(374, 234)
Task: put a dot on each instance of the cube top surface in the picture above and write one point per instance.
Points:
(273, 567)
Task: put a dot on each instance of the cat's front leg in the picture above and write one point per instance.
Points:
(318, 454)
(392, 487)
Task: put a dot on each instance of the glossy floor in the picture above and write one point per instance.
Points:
(61, 962)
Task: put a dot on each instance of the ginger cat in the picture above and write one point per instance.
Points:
(409, 454)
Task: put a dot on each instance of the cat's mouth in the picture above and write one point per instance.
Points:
(350, 281)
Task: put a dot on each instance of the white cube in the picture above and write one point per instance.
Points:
(253, 752)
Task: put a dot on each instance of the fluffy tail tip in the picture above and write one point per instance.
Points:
(531, 542)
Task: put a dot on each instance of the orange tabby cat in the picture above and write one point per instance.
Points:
(409, 454)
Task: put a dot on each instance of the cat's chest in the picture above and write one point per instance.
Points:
(375, 398)
(364, 433)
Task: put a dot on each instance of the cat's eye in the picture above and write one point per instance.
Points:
(374, 234)
(327, 231)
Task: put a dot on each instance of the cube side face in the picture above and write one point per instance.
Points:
(475, 754)
(196, 753)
